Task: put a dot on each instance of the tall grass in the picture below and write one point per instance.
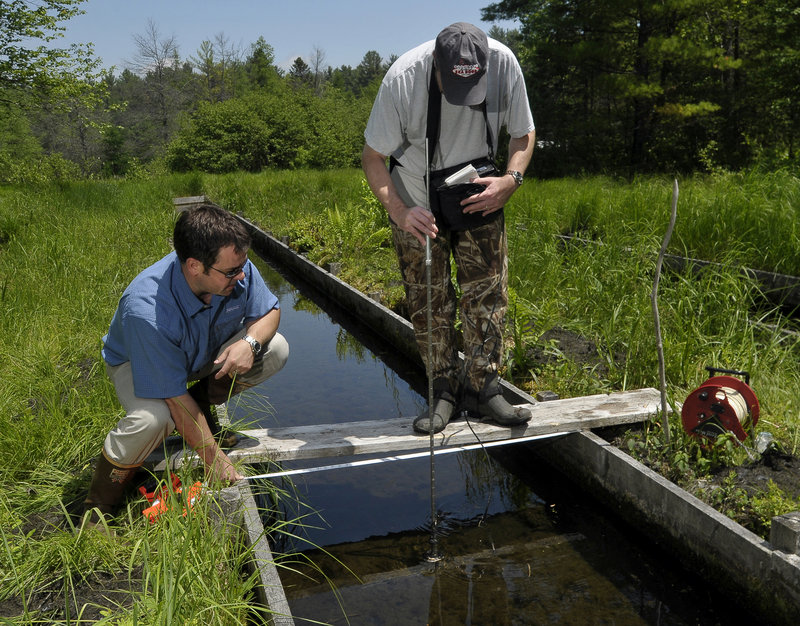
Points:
(750, 218)
(66, 254)
(601, 290)
(68, 251)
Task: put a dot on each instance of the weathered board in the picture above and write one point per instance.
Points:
(396, 434)
(189, 202)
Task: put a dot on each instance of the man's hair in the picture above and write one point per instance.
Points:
(200, 232)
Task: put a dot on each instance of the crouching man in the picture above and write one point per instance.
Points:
(202, 313)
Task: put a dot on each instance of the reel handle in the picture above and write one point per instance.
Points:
(717, 370)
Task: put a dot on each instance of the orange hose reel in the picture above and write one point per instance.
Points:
(721, 404)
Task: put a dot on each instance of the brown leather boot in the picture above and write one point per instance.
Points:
(106, 489)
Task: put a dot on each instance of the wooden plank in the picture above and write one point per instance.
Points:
(188, 202)
(396, 434)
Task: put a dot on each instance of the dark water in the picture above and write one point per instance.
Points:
(519, 544)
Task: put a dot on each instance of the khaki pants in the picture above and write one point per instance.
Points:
(148, 420)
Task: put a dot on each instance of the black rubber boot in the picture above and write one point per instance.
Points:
(442, 412)
(492, 405)
(225, 438)
(501, 412)
(444, 405)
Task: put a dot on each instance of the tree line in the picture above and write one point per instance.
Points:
(219, 110)
(674, 85)
(621, 87)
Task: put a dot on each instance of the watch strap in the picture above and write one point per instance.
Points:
(255, 346)
(517, 176)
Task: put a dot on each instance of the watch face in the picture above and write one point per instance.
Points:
(254, 344)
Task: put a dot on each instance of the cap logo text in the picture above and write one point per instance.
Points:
(466, 70)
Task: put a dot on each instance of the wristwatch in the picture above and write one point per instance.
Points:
(255, 346)
(516, 175)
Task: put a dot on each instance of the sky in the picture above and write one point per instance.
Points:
(344, 30)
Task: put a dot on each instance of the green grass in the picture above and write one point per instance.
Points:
(603, 291)
(750, 218)
(67, 252)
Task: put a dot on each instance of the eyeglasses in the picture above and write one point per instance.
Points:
(232, 273)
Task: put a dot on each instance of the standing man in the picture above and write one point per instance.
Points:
(202, 313)
(483, 90)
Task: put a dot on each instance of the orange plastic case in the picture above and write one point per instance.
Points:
(161, 499)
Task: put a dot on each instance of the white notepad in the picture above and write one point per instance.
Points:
(464, 175)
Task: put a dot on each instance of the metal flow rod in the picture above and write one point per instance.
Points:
(656, 318)
(434, 553)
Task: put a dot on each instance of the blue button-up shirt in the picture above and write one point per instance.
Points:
(167, 332)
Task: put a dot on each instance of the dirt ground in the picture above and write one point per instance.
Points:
(774, 465)
(90, 598)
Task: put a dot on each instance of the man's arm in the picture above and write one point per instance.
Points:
(191, 424)
(415, 220)
(499, 189)
(238, 357)
(520, 151)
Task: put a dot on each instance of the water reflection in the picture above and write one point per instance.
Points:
(314, 388)
(514, 552)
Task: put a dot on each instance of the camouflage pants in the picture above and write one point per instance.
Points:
(480, 256)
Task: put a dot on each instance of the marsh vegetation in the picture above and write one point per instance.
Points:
(579, 323)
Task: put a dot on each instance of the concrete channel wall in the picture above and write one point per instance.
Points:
(236, 506)
(730, 557)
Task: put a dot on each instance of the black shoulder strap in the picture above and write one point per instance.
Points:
(435, 114)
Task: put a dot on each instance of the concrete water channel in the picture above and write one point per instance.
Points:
(564, 530)
(521, 542)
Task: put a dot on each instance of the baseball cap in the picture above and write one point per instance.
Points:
(460, 55)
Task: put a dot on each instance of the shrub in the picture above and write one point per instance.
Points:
(283, 128)
(43, 169)
(221, 137)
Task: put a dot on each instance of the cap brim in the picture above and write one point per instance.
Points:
(463, 91)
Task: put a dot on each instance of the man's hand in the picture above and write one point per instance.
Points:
(417, 221)
(497, 191)
(222, 470)
(237, 358)
(191, 424)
